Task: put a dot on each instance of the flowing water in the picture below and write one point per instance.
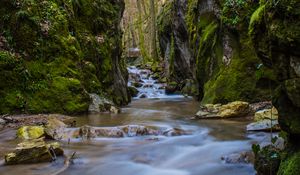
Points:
(196, 154)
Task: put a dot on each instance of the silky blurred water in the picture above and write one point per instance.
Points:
(196, 154)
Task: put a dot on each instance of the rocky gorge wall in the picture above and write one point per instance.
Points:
(275, 32)
(238, 50)
(53, 53)
(212, 51)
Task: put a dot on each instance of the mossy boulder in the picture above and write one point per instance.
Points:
(57, 54)
(34, 151)
(30, 132)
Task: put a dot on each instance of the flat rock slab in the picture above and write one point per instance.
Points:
(264, 125)
(34, 151)
(218, 111)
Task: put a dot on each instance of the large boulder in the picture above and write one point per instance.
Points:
(230, 110)
(30, 132)
(55, 129)
(34, 151)
(101, 104)
(234, 109)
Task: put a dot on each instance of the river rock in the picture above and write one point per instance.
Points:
(2, 121)
(137, 84)
(88, 132)
(264, 125)
(114, 110)
(234, 109)
(34, 151)
(171, 88)
(143, 96)
(133, 91)
(30, 132)
(271, 114)
(55, 129)
(101, 104)
(237, 158)
(218, 111)
(175, 132)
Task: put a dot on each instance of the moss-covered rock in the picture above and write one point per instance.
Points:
(30, 132)
(34, 151)
(56, 51)
(276, 38)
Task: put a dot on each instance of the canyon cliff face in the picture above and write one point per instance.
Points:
(244, 50)
(53, 53)
(275, 33)
(199, 46)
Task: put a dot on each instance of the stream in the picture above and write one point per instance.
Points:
(198, 153)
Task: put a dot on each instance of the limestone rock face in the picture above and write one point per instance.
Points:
(197, 44)
(34, 151)
(30, 132)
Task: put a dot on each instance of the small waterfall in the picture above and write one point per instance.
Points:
(147, 85)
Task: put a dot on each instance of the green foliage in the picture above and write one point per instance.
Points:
(231, 11)
(291, 165)
(256, 18)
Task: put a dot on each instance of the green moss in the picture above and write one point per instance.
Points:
(291, 165)
(172, 56)
(256, 18)
(52, 43)
(30, 132)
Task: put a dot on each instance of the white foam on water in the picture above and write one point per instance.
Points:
(150, 88)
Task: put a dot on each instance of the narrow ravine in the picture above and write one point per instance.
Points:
(198, 152)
